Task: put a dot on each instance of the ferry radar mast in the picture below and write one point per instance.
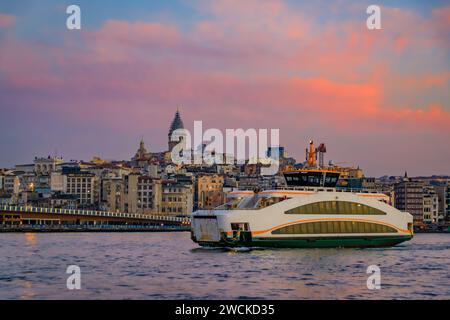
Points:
(311, 155)
(312, 174)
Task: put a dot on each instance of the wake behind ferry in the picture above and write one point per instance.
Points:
(310, 212)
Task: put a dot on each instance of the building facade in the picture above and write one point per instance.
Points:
(84, 186)
(177, 198)
(45, 166)
(430, 205)
(409, 198)
(210, 191)
(148, 195)
(141, 194)
(111, 198)
(11, 183)
(447, 202)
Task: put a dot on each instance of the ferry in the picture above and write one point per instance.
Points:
(310, 212)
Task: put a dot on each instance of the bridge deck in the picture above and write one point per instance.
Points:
(39, 211)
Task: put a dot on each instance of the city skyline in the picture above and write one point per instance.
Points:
(177, 123)
(378, 99)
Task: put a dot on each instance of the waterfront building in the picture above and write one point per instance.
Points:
(63, 201)
(441, 191)
(128, 203)
(3, 173)
(84, 185)
(148, 195)
(209, 191)
(25, 168)
(369, 184)
(140, 194)
(177, 197)
(45, 166)
(58, 182)
(447, 202)
(111, 194)
(153, 171)
(42, 198)
(29, 181)
(108, 170)
(430, 205)
(6, 199)
(11, 183)
(409, 197)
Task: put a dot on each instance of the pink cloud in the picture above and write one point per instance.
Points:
(6, 20)
(260, 66)
(441, 18)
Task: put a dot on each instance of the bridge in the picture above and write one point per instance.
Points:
(27, 217)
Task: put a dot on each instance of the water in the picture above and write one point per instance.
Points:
(170, 266)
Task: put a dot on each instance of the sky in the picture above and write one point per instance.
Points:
(379, 99)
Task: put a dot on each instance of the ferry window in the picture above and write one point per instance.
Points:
(336, 207)
(230, 205)
(323, 227)
(265, 202)
(240, 226)
(248, 202)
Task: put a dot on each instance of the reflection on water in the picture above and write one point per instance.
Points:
(30, 238)
(27, 290)
(171, 266)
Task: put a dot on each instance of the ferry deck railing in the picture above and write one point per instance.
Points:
(313, 189)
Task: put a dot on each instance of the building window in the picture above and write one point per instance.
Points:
(335, 227)
(335, 207)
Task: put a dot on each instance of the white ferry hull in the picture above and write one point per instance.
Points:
(272, 227)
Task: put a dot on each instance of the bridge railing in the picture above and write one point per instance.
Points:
(31, 209)
(91, 227)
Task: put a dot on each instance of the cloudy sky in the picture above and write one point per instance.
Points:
(379, 99)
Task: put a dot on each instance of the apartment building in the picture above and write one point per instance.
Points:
(409, 197)
(177, 198)
(209, 191)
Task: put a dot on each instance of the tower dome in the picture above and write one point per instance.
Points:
(177, 123)
(141, 153)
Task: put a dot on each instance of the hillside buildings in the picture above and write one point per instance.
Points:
(149, 183)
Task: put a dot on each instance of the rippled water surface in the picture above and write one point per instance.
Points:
(170, 266)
